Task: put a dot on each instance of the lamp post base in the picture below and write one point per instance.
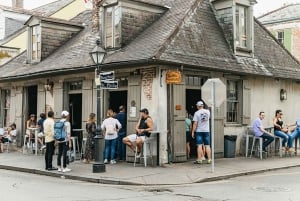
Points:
(98, 168)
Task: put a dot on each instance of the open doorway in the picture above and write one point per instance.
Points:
(192, 96)
(32, 100)
(117, 98)
(75, 108)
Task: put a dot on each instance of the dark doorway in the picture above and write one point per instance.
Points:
(32, 100)
(75, 108)
(117, 98)
(192, 96)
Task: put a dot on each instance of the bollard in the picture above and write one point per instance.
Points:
(99, 166)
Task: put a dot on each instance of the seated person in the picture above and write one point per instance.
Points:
(295, 134)
(259, 131)
(143, 127)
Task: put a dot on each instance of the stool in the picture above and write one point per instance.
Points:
(147, 142)
(248, 136)
(260, 140)
(75, 145)
(279, 139)
(83, 146)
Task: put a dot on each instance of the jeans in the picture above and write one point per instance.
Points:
(110, 146)
(62, 152)
(294, 135)
(121, 147)
(284, 136)
(267, 139)
(49, 154)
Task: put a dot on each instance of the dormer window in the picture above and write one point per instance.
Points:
(241, 26)
(35, 43)
(112, 28)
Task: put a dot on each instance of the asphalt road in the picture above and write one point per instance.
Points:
(280, 185)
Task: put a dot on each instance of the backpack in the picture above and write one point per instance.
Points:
(110, 128)
(59, 131)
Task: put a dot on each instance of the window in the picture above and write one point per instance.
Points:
(241, 26)
(195, 80)
(280, 36)
(76, 85)
(112, 27)
(5, 107)
(36, 43)
(233, 103)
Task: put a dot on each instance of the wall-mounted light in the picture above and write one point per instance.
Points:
(283, 94)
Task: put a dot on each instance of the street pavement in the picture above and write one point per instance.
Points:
(124, 173)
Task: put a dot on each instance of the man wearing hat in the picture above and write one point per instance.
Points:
(143, 128)
(200, 131)
(63, 146)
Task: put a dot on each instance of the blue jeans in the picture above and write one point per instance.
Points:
(267, 139)
(284, 136)
(110, 148)
(121, 147)
(202, 138)
(294, 135)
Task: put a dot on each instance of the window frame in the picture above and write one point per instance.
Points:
(235, 115)
(242, 32)
(35, 44)
(115, 27)
(5, 107)
(280, 39)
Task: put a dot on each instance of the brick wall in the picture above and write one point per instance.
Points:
(296, 43)
(135, 21)
(53, 38)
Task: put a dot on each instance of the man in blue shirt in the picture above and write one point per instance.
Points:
(121, 147)
(259, 131)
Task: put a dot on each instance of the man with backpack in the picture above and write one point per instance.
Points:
(48, 126)
(62, 135)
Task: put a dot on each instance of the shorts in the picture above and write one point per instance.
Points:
(133, 137)
(188, 136)
(202, 138)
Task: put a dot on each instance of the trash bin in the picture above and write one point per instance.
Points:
(229, 146)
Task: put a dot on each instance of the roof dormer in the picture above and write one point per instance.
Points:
(123, 20)
(45, 35)
(236, 19)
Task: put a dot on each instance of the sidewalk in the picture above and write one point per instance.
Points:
(168, 174)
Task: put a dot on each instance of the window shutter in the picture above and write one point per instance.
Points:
(246, 117)
(288, 39)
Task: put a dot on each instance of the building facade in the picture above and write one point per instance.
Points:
(144, 42)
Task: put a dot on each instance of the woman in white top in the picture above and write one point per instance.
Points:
(110, 127)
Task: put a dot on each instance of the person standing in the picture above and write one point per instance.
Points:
(91, 131)
(48, 126)
(110, 127)
(30, 123)
(65, 144)
(188, 135)
(121, 147)
(259, 131)
(200, 131)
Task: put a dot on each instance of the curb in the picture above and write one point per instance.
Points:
(113, 181)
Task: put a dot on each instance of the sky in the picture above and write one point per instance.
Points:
(262, 6)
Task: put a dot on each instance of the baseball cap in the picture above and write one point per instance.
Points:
(199, 103)
(64, 113)
(144, 110)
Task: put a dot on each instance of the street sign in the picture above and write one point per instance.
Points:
(213, 88)
(107, 75)
(109, 84)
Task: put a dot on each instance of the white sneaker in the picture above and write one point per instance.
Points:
(66, 170)
(59, 169)
(113, 162)
(43, 147)
(203, 158)
(105, 161)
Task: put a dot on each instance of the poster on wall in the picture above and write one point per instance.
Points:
(132, 112)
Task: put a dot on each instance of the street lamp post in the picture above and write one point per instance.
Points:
(97, 55)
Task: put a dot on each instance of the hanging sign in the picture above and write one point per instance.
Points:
(173, 77)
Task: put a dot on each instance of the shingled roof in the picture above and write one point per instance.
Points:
(283, 14)
(187, 34)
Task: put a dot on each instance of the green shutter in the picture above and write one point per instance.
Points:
(288, 39)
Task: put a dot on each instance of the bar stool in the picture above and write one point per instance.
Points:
(260, 140)
(248, 136)
(279, 140)
(83, 146)
(75, 145)
(146, 143)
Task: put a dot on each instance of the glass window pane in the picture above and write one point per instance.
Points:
(108, 27)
